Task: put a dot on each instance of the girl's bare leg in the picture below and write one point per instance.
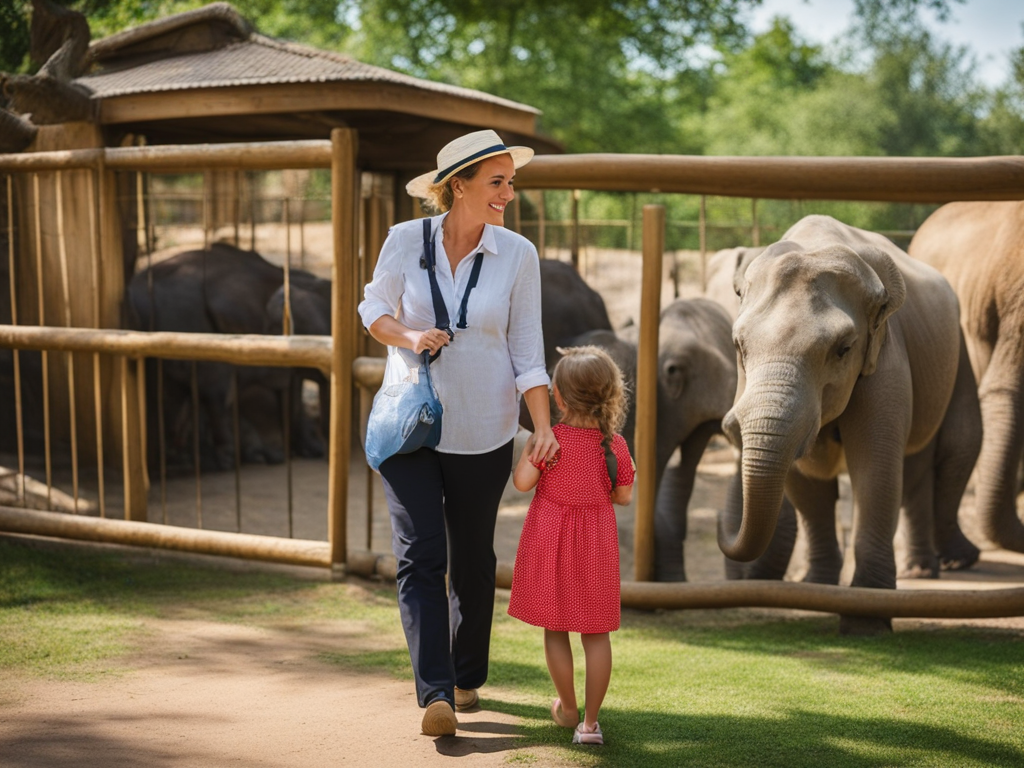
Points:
(558, 654)
(598, 651)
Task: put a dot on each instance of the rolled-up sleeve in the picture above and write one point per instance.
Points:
(383, 293)
(525, 335)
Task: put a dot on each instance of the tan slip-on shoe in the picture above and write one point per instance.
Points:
(466, 699)
(439, 719)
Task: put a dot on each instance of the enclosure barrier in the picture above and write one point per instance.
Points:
(931, 180)
(852, 601)
(329, 356)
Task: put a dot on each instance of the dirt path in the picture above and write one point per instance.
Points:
(213, 694)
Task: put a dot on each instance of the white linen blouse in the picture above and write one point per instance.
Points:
(481, 374)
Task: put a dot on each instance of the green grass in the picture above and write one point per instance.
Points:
(703, 688)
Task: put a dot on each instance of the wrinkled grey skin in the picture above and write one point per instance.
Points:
(979, 248)
(851, 357)
(224, 290)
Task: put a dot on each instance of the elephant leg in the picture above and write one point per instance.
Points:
(674, 493)
(306, 441)
(957, 448)
(215, 399)
(673, 500)
(816, 502)
(922, 559)
(874, 429)
(1001, 406)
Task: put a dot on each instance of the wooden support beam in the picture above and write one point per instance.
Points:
(345, 195)
(647, 392)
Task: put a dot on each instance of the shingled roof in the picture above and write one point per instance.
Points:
(215, 47)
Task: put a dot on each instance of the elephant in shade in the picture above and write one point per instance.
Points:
(979, 248)
(696, 382)
(227, 290)
(851, 358)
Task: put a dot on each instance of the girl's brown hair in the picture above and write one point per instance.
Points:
(441, 196)
(591, 386)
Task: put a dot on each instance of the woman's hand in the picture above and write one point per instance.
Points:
(432, 339)
(545, 446)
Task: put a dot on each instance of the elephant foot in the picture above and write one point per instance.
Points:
(864, 626)
(224, 459)
(310, 450)
(675, 571)
(920, 568)
(959, 556)
(822, 574)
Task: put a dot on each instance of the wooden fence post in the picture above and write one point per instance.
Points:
(647, 391)
(345, 222)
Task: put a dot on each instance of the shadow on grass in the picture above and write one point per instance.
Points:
(798, 739)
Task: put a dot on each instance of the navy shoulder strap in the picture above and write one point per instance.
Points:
(428, 262)
(473, 277)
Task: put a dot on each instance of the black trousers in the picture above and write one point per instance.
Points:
(443, 511)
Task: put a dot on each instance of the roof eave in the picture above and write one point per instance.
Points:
(314, 97)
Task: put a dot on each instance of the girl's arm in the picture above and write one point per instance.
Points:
(526, 474)
(622, 494)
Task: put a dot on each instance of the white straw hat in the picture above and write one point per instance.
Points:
(464, 151)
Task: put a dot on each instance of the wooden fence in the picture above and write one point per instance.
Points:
(876, 179)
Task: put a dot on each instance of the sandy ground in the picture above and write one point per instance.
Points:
(214, 695)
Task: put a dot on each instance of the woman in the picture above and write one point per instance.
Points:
(444, 502)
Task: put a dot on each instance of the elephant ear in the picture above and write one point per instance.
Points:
(883, 300)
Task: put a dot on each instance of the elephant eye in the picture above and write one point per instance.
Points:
(843, 350)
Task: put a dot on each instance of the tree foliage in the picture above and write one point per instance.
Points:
(656, 76)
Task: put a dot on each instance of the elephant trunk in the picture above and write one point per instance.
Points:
(771, 433)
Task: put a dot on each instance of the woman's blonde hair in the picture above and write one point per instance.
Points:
(591, 385)
(441, 196)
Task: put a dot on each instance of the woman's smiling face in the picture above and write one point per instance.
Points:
(485, 196)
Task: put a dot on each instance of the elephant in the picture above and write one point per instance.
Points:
(979, 247)
(851, 357)
(227, 290)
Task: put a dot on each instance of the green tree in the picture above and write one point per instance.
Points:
(1002, 128)
(609, 76)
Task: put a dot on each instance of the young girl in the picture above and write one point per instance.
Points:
(566, 576)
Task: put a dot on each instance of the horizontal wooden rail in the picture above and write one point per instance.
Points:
(852, 601)
(242, 545)
(368, 371)
(240, 349)
(889, 179)
(264, 156)
(256, 156)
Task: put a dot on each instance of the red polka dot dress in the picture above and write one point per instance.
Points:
(566, 575)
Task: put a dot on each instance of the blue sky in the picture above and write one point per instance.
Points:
(990, 28)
